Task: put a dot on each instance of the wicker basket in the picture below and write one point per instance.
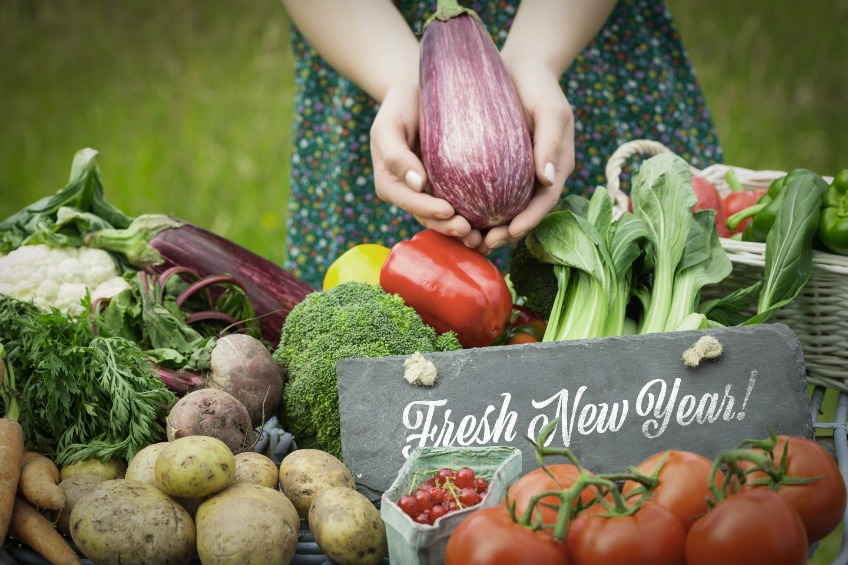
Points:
(818, 315)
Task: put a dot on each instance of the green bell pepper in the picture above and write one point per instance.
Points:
(766, 209)
(833, 221)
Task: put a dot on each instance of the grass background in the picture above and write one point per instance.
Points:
(189, 102)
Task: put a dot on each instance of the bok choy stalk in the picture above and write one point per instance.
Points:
(663, 198)
(625, 240)
(704, 262)
(577, 249)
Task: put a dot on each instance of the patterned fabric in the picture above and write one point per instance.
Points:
(633, 81)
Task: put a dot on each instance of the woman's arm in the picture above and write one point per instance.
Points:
(367, 41)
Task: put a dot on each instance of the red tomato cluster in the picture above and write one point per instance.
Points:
(446, 491)
(679, 509)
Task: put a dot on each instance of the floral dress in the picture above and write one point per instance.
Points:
(633, 81)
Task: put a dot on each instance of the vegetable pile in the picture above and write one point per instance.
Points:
(591, 276)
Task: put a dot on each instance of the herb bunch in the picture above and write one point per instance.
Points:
(81, 395)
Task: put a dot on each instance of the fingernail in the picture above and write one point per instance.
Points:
(443, 216)
(497, 244)
(413, 180)
(549, 172)
(455, 233)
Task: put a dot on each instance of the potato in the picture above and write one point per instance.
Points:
(247, 523)
(347, 527)
(306, 472)
(75, 487)
(124, 521)
(257, 469)
(112, 469)
(194, 467)
(141, 466)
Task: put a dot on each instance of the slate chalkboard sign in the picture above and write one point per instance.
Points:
(620, 399)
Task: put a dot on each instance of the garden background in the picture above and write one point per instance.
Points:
(189, 102)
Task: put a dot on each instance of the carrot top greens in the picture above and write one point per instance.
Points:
(81, 395)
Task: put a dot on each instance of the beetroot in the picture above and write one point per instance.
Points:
(214, 413)
(475, 141)
(242, 366)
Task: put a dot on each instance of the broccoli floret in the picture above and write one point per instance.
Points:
(533, 280)
(347, 321)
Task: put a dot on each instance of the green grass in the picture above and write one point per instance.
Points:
(189, 102)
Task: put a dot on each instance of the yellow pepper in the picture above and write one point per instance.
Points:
(361, 263)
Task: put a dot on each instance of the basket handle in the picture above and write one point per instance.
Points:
(616, 162)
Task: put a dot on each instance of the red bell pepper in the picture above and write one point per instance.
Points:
(452, 287)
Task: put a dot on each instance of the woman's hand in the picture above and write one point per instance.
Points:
(399, 176)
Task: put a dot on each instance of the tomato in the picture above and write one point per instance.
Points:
(527, 327)
(537, 481)
(489, 536)
(516, 337)
(753, 526)
(820, 503)
(684, 483)
(651, 536)
(360, 263)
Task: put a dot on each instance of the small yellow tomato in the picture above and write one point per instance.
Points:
(361, 263)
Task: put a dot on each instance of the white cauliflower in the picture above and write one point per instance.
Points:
(59, 277)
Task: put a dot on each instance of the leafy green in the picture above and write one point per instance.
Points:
(81, 395)
(64, 218)
(789, 245)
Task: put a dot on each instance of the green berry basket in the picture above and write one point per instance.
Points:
(411, 543)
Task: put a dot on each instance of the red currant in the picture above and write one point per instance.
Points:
(437, 495)
(408, 504)
(464, 477)
(437, 512)
(468, 497)
(443, 475)
(481, 484)
(423, 500)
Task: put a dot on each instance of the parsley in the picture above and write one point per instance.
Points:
(81, 395)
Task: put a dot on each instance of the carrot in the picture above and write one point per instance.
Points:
(11, 449)
(32, 528)
(40, 481)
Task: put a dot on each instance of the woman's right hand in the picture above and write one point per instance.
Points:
(399, 176)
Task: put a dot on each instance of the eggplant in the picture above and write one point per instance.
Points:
(155, 243)
(474, 139)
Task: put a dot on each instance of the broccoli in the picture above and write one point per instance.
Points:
(533, 280)
(350, 320)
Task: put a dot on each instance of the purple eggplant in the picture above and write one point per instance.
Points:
(155, 243)
(474, 138)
